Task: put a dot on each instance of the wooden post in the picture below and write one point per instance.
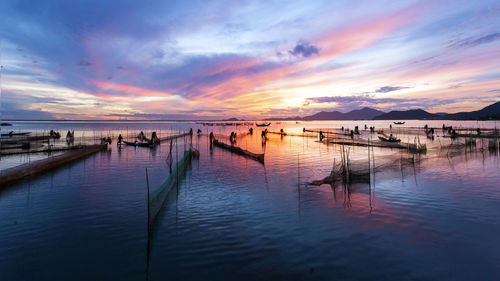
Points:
(298, 169)
(148, 243)
(147, 186)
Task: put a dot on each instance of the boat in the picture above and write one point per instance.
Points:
(388, 140)
(10, 134)
(399, 123)
(240, 151)
(141, 144)
(5, 124)
(262, 125)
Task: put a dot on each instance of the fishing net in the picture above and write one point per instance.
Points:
(157, 197)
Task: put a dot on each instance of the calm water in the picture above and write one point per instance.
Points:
(233, 218)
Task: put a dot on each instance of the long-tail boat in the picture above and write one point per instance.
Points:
(262, 125)
(141, 144)
(240, 151)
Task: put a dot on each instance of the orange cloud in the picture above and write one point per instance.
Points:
(129, 89)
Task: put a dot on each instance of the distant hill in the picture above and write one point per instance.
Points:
(365, 113)
(359, 114)
(413, 114)
(490, 112)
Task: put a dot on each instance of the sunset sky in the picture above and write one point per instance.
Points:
(245, 59)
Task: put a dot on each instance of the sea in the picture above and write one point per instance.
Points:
(418, 216)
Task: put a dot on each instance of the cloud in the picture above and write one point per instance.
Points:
(304, 49)
(359, 101)
(12, 111)
(157, 116)
(209, 75)
(473, 42)
(84, 63)
(387, 89)
(169, 56)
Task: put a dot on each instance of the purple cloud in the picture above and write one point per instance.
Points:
(473, 42)
(387, 89)
(359, 101)
(304, 49)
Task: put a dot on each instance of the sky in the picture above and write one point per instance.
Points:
(218, 59)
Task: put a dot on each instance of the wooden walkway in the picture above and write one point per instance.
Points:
(45, 150)
(13, 174)
(25, 139)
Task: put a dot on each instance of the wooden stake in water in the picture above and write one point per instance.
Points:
(298, 184)
(298, 170)
(148, 245)
(147, 186)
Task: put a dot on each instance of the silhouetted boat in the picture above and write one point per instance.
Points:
(399, 123)
(240, 151)
(141, 144)
(388, 140)
(262, 125)
(15, 134)
(5, 124)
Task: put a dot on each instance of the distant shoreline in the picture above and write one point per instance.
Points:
(267, 120)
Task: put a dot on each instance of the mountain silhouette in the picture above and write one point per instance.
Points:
(490, 112)
(365, 113)
(413, 114)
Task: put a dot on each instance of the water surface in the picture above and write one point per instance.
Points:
(233, 218)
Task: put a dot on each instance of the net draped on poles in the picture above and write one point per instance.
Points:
(157, 197)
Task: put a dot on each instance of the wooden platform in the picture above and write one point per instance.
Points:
(13, 174)
(25, 139)
(45, 150)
